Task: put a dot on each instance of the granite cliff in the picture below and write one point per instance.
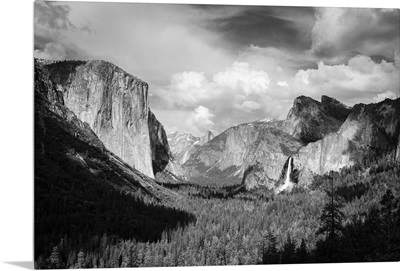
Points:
(183, 144)
(206, 137)
(310, 120)
(398, 149)
(115, 105)
(316, 137)
(370, 129)
(67, 148)
(160, 152)
(252, 153)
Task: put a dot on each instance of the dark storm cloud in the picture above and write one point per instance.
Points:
(265, 26)
(215, 66)
(339, 34)
(41, 41)
(52, 16)
(51, 23)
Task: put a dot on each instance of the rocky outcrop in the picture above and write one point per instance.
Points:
(44, 86)
(183, 144)
(115, 105)
(64, 142)
(398, 150)
(206, 137)
(334, 108)
(371, 129)
(266, 162)
(310, 120)
(252, 154)
(257, 153)
(160, 153)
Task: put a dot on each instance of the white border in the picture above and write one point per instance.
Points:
(16, 105)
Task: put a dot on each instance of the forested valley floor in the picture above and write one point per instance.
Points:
(351, 216)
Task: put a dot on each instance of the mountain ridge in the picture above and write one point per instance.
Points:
(183, 144)
(115, 105)
(310, 120)
(255, 153)
(49, 107)
(370, 129)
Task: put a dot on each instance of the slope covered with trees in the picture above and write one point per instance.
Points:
(342, 217)
(94, 210)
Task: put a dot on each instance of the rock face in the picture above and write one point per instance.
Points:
(63, 142)
(206, 137)
(258, 153)
(269, 159)
(44, 86)
(160, 153)
(310, 120)
(115, 105)
(398, 150)
(372, 128)
(183, 144)
(252, 154)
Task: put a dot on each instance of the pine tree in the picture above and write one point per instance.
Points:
(331, 222)
(55, 259)
(71, 259)
(103, 244)
(301, 252)
(289, 251)
(388, 218)
(270, 250)
(80, 263)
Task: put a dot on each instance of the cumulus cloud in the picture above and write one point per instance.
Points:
(241, 94)
(249, 106)
(339, 33)
(188, 88)
(186, 52)
(200, 119)
(282, 83)
(234, 95)
(361, 80)
(52, 51)
(241, 77)
(239, 81)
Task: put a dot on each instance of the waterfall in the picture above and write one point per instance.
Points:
(287, 180)
(289, 170)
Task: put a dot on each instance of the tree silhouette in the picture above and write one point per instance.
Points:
(55, 259)
(289, 251)
(270, 254)
(81, 260)
(388, 213)
(331, 221)
(301, 252)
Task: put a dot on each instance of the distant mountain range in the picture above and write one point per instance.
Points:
(320, 136)
(182, 145)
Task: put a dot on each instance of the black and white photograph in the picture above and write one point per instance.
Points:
(200, 134)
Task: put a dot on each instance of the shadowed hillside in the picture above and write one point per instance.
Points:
(82, 190)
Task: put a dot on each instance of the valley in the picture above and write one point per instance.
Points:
(113, 189)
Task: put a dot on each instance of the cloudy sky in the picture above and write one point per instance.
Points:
(212, 67)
